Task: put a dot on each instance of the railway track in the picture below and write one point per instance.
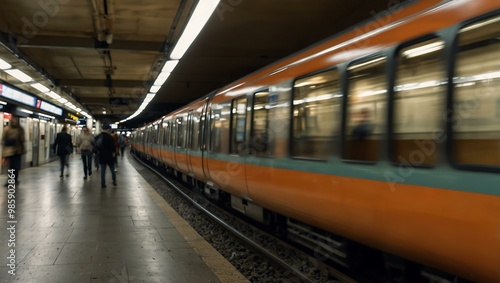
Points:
(260, 256)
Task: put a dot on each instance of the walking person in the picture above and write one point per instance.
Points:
(122, 142)
(63, 148)
(117, 148)
(107, 152)
(13, 146)
(85, 142)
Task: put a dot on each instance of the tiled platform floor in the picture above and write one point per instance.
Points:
(71, 230)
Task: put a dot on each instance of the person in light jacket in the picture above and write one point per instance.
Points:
(84, 142)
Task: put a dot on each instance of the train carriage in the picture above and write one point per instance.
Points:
(387, 135)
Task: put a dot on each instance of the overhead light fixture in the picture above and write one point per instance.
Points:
(150, 96)
(48, 116)
(26, 111)
(161, 79)
(4, 65)
(3, 102)
(62, 100)
(155, 88)
(169, 66)
(19, 75)
(53, 95)
(201, 14)
(40, 87)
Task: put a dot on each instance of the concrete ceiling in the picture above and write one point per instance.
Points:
(104, 54)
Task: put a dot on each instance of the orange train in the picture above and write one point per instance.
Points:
(387, 135)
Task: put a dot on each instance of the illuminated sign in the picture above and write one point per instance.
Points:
(49, 107)
(73, 117)
(18, 96)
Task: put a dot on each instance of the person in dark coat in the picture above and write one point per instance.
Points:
(107, 153)
(13, 147)
(63, 147)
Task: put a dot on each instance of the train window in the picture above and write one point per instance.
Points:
(316, 114)
(219, 127)
(366, 104)
(476, 105)
(239, 115)
(260, 131)
(195, 142)
(419, 102)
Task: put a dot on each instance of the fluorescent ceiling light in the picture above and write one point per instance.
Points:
(40, 87)
(161, 79)
(19, 75)
(53, 95)
(155, 88)
(3, 102)
(48, 116)
(169, 66)
(62, 100)
(26, 111)
(79, 110)
(201, 14)
(4, 65)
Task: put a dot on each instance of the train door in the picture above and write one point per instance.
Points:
(195, 153)
(258, 140)
(205, 136)
(52, 134)
(226, 153)
(41, 142)
(238, 146)
(35, 146)
(181, 122)
(189, 142)
(175, 126)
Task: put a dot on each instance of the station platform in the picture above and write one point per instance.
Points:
(71, 230)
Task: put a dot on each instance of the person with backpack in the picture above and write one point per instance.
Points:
(107, 151)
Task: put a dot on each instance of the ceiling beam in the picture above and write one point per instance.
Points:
(49, 41)
(103, 83)
(110, 100)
